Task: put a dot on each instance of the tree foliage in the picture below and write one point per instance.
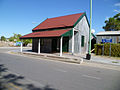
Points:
(26, 41)
(3, 38)
(16, 38)
(113, 23)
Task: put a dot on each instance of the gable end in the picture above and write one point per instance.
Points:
(84, 14)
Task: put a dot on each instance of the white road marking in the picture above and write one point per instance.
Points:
(88, 76)
(60, 70)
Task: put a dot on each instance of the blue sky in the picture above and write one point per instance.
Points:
(21, 16)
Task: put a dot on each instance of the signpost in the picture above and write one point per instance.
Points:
(18, 43)
(106, 41)
(103, 41)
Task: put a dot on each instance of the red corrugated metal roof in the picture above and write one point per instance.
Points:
(53, 33)
(57, 22)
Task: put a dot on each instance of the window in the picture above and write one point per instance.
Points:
(82, 41)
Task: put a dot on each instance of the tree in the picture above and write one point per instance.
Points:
(26, 41)
(16, 38)
(113, 23)
(3, 38)
(11, 39)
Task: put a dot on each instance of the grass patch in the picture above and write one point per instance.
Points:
(114, 62)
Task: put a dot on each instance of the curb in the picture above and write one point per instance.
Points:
(70, 60)
(52, 57)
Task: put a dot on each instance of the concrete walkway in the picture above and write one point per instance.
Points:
(106, 59)
(66, 57)
(76, 58)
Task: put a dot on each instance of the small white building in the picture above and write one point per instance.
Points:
(114, 35)
(68, 33)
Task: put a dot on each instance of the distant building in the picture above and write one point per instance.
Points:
(61, 34)
(114, 35)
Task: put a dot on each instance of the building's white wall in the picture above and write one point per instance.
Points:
(82, 29)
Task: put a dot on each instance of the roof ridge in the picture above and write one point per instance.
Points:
(65, 15)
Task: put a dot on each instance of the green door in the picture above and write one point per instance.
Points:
(65, 44)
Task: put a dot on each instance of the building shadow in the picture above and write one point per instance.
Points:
(7, 78)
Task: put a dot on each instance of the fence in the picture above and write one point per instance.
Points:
(115, 49)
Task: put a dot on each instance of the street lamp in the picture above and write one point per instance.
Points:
(88, 56)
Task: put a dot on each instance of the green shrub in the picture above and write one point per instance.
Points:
(115, 49)
(98, 49)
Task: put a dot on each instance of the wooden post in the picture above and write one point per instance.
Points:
(103, 49)
(73, 42)
(39, 46)
(61, 39)
(110, 50)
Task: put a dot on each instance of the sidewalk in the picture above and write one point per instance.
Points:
(66, 57)
(76, 58)
(106, 59)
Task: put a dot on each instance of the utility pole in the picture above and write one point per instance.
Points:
(88, 56)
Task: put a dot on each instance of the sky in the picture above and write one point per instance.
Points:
(21, 16)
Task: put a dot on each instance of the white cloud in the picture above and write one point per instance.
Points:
(34, 22)
(117, 4)
(118, 11)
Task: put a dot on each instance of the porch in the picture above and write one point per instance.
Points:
(51, 41)
(51, 45)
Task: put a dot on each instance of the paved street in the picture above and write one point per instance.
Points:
(59, 75)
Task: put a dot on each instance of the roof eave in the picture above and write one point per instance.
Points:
(53, 28)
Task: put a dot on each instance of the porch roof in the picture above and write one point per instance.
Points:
(52, 33)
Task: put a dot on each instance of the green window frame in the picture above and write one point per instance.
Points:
(82, 40)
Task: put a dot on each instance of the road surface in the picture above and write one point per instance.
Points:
(59, 75)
